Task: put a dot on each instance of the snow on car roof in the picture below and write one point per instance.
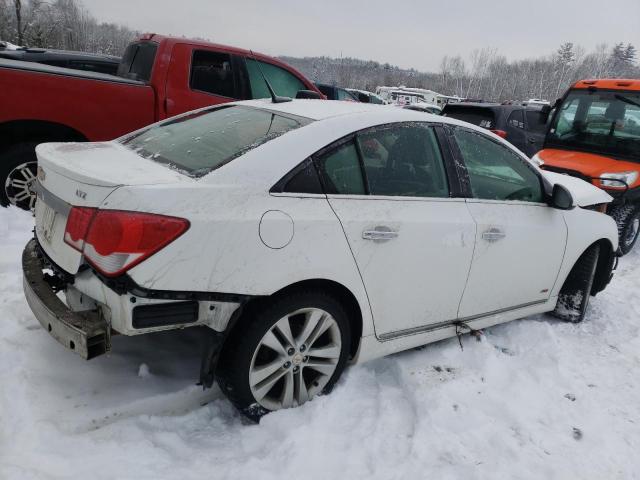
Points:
(315, 109)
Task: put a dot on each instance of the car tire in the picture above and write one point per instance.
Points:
(263, 366)
(573, 299)
(628, 219)
(18, 168)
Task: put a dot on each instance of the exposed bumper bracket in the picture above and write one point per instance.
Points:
(85, 333)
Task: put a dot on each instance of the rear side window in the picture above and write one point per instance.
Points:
(341, 172)
(482, 117)
(403, 160)
(211, 72)
(200, 142)
(516, 119)
(137, 61)
(283, 82)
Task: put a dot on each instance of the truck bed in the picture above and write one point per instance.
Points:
(67, 72)
(96, 105)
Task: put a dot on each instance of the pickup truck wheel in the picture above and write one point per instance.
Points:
(287, 353)
(18, 169)
(628, 219)
(573, 299)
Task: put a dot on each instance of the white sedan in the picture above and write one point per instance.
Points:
(303, 236)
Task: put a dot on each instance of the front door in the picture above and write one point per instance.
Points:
(412, 243)
(520, 240)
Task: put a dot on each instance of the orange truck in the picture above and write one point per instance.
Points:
(594, 134)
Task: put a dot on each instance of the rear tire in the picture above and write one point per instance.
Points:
(573, 299)
(628, 219)
(18, 169)
(284, 353)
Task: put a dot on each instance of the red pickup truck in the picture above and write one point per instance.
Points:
(157, 78)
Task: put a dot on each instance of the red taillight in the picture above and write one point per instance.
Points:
(113, 241)
(500, 133)
(77, 225)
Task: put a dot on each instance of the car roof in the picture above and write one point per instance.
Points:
(609, 84)
(325, 109)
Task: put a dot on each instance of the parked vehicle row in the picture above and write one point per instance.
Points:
(522, 126)
(306, 235)
(158, 77)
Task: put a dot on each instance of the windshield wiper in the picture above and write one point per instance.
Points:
(626, 100)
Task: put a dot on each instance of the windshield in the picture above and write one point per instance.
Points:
(200, 142)
(606, 122)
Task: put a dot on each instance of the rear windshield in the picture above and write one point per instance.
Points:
(482, 117)
(198, 143)
(137, 61)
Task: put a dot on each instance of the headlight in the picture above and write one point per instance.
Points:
(614, 180)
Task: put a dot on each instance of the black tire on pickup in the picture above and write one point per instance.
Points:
(18, 168)
(573, 299)
(628, 219)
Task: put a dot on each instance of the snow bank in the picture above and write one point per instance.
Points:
(534, 399)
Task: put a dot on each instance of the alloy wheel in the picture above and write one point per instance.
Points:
(18, 185)
(295, 359)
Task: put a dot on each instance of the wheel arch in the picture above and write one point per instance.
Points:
(342, 293)
(605, 266)
(24, 131)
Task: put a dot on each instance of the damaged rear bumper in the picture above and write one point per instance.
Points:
(85, 333)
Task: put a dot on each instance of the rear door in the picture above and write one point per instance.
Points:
(536, 128)
(411, 240)
(198, 77)
(515, 127)
(520, 240)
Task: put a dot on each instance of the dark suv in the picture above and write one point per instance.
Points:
(93, 62)
(524, 127)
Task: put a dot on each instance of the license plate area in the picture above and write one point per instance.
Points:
(48, 222)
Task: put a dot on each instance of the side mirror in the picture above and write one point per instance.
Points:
(561, 197)
(308, 94)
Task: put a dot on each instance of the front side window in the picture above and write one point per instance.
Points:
(495, 172)
(536, 121)
(340, 170)
(403, 160)
(197, 143)
(283, 82)
(342, 94)
(211, 72)
(606, 122)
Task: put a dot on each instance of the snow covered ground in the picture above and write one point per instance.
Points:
(533, 399)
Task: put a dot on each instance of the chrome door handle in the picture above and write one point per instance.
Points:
(493, 234)
(379, 234)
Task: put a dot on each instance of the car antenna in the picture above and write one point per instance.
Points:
(274, 98)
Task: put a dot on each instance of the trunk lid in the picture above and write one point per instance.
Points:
(85, 174)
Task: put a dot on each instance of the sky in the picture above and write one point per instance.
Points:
(410, 34)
